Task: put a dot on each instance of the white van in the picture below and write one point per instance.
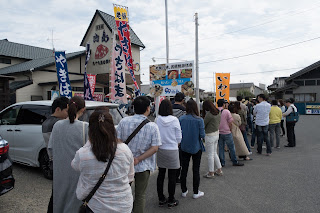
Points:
(21, 126)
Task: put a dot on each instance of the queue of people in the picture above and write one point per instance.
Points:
(95, 163)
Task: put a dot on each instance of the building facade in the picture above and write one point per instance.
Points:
(34, 71)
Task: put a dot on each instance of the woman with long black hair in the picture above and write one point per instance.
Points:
(114, 194)
(212, 117)
(192, 126)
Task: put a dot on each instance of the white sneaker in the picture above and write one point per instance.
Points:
(200, 194)
(184, 194)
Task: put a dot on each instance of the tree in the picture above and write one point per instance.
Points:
(245, 93)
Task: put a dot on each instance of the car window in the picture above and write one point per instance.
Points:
(116, 116)
(33, 114)
(9, 117)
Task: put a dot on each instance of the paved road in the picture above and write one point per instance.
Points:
(287, 181)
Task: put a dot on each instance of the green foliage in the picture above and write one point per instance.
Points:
(245, 93)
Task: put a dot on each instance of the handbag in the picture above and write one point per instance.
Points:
(203, 148)
(83, 207)
(293, 117)
(136, 131)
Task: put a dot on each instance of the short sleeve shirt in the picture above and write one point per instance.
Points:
(147, 137)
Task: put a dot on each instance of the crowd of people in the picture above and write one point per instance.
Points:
(95, 163)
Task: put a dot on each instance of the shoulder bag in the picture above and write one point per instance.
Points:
(136, 131)
(293, 117)
(83, 207)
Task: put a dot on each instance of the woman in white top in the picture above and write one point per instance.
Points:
(290, 124)
(114, 194)
(168, 152)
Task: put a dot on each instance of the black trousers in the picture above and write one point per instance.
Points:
(171, 183)
(282, 127)
(185, 159)
(179, 170)
(290, 133)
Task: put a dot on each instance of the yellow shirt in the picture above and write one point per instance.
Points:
(275, 115)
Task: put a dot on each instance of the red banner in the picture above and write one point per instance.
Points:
(122, 22)
(92, 82)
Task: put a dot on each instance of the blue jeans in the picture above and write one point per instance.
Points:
(254, 134)
(263, 135)
(223, 140)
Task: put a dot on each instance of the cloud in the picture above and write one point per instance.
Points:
(227, 29)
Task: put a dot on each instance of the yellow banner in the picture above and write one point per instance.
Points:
(222, 86)
(120, 13)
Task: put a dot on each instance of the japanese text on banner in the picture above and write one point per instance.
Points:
(122, 22)
(222, 86)
(117, 75)
(62, 73)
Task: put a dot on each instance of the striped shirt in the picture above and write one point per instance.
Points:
(147, 137)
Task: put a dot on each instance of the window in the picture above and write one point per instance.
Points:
(33, 114)
(9, 116)
(310, 82)
(289, 92)
(299, 82)
(116, 116)
(98, 90)
(5, 61)
(318, 82)
(308, 97)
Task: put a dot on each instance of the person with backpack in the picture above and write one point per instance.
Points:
(290, 123)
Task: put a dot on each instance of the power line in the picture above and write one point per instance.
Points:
(256, 25)
(250, 73)
(256, 53)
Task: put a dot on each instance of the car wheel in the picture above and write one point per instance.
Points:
(45, 165)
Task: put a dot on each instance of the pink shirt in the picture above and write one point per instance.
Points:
(226, 119)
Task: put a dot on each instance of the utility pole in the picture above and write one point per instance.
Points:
(167, 32)
(197, 63)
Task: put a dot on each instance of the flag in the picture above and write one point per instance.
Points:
(63, 75)
(117, 75)
(87, 93)
(222, 86)
(122, 23)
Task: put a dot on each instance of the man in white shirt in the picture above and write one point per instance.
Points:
(261, 111)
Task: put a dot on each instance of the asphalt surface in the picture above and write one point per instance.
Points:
(287, 181)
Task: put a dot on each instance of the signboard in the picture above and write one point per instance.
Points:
(54, 94)
(117, 75)
(222, 86)
(63, 75)
(122, 23)
(86, 84)
(169, 79)
(96, 97)
(313, 109)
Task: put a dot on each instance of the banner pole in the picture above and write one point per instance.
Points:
(197, 63)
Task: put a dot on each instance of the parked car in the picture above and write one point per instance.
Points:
(21, 125)
(6, 178)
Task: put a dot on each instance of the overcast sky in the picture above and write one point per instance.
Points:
(228, 29)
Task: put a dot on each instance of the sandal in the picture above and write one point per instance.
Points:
(208, 176)
(218, 173)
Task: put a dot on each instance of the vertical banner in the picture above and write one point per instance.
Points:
(122, 22)
(87, 90)
(92, 82)
(118, 91)
(222, 86)
(62, 73)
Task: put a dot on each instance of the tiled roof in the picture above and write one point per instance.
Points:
(241, 85)
(304, 70)
(11, 49)
(19, 84)
(109, 20)
(36, 64)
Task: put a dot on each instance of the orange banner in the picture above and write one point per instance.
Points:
(222, 86)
